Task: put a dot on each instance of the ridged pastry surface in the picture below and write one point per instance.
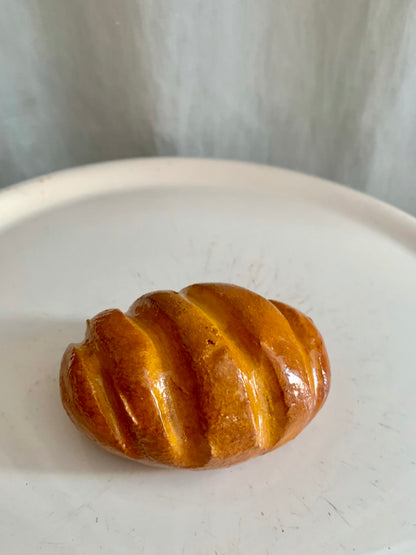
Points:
(203, 378)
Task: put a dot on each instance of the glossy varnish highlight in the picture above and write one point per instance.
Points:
(203, 378)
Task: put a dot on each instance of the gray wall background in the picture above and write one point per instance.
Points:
(327, 87)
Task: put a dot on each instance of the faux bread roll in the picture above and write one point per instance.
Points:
(203, 378)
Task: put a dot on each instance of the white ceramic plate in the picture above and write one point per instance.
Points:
(76, 242)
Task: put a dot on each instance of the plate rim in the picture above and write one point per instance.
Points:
(45, 192)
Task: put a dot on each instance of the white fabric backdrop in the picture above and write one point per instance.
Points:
(326, 87)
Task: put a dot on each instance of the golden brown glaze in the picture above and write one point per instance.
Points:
(203, 378)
